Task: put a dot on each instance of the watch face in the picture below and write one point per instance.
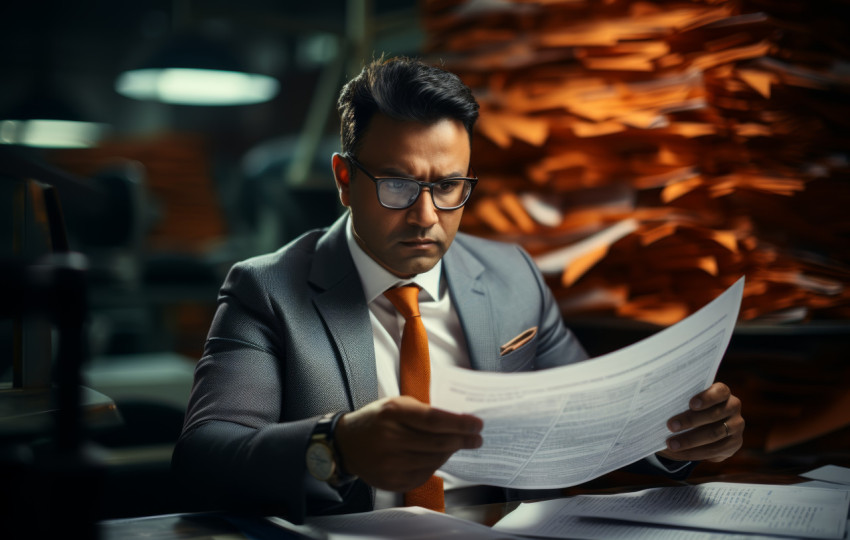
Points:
(320, 461)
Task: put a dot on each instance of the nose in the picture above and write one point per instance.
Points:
(423, 213)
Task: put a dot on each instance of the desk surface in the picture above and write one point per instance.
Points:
(30, 412)
(226, 527)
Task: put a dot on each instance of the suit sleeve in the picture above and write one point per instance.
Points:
(234, 451)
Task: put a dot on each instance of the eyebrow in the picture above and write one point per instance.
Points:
(392, 172)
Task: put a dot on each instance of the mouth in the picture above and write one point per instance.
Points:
(419, 243)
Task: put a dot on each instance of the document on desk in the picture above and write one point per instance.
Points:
(410, 523)
(830, 473)
(798, 512)
(564, 426)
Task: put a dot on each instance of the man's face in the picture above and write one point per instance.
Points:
(412, 240)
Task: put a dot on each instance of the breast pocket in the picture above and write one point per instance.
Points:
(520, 359)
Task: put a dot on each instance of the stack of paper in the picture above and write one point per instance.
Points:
(409, 523)
(829, 477)
(713, 511)
(689, 512)
(699, 141)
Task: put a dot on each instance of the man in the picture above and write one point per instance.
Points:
(296, 406)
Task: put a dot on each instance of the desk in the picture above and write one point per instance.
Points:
(30, 412)
(224, 526)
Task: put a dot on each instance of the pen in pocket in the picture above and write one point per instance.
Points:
(517, 342)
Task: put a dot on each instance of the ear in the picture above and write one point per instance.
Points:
(342, 176)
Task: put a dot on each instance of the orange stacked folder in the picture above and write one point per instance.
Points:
(648, 154)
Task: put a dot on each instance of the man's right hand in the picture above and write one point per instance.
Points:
(397, 443)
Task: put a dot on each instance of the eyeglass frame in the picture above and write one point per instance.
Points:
(378, 180)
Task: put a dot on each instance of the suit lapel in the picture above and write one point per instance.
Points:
(473, 304)
(342, 306)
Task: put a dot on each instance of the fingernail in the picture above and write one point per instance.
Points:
(696, 404)
(675, 425)
(674, 445)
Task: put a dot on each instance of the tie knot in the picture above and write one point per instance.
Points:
(405, 299)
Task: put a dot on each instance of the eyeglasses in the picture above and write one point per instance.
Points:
(401, 193)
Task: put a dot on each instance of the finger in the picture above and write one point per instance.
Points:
(715, 451)
(440, 421)
(410, 438)
(714, 394)
(727, 429)
(409, 425)
(428, 419)
(716, 413)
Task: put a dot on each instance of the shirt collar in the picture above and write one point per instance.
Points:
(376, 279)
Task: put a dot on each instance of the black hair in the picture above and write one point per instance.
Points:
(402, 88)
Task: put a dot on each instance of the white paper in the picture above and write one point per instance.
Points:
(554, 262)
(743, 508)
(824, 484)
(564, 426)
(830, 473)
(535, 519)
(410, 523)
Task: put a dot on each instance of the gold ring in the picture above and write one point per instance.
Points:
(727, 428)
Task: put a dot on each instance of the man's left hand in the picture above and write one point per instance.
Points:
(715, 423)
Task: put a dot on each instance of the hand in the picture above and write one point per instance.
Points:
(397, 443)
(718, 427)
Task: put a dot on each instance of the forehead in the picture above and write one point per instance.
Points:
(392, 140)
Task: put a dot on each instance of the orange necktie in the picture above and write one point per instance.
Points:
(415, 381)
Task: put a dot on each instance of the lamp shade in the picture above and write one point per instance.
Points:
(195, 70)
(45, 120)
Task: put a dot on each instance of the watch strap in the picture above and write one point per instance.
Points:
(326, 428)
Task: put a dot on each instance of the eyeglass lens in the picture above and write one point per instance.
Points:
(401, 192)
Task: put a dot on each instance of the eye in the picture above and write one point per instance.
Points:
(446, 186)
(396, 184)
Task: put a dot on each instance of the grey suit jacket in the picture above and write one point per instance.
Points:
(291, 340)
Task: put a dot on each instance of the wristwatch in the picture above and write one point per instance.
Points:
(323, 462)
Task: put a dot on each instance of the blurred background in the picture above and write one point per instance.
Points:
(646, 153)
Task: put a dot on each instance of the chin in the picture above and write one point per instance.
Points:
(411, 268)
